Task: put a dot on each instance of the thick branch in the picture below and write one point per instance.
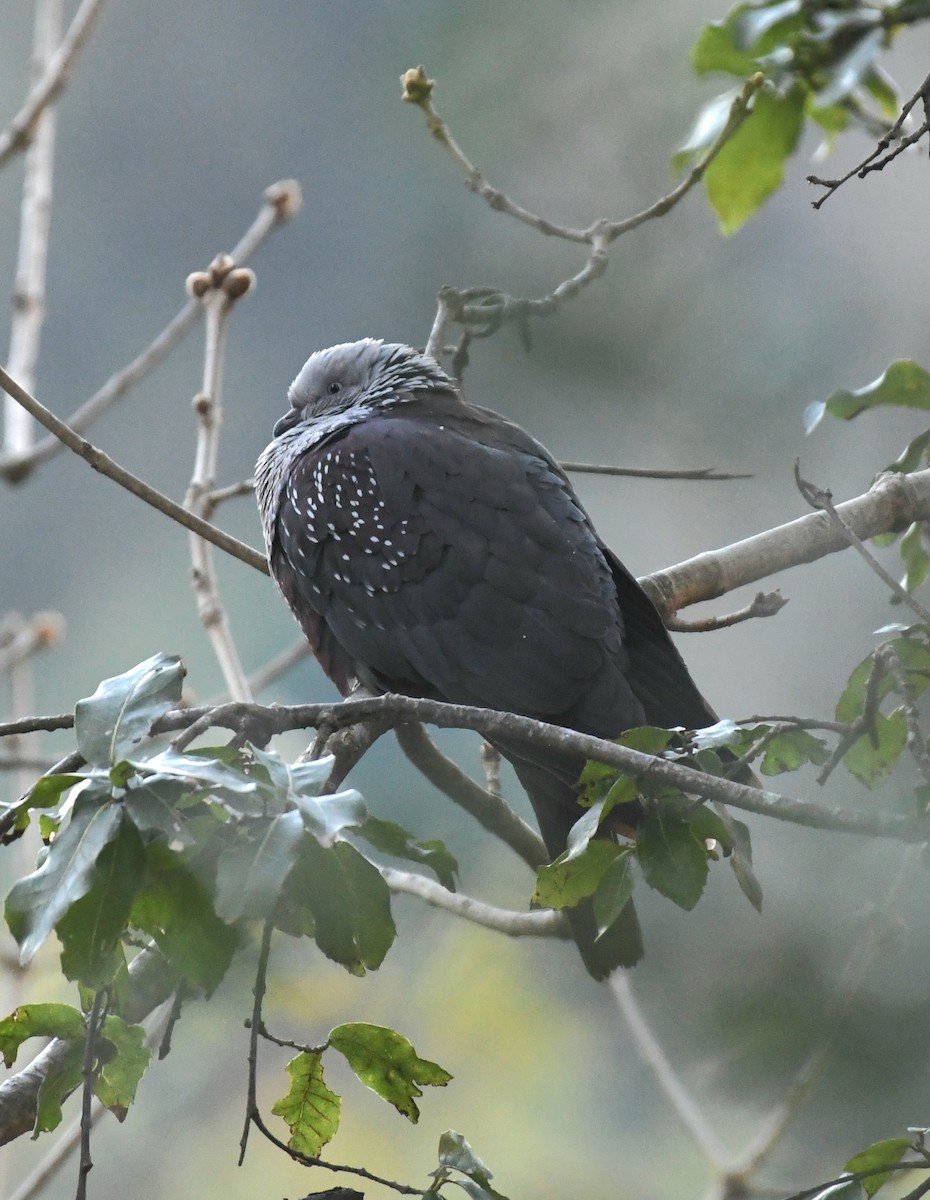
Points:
(893, 502)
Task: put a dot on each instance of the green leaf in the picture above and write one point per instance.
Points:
(38, 902)
(227, 780)
(328, 816)
(48, 790)
(751, 164)
(62, 1078)
(114, 721)
(152, 805)
(91, 929)
(883, 92)
(741, 861)
(846, 1190)
(455, 1154)
(716, 50)
(706, 129)
(750, 24)
(791, 750)
(915, 557)
(391, 838)
(913, 455)
(870, 761)
(251, 873)
(310, 1109)
(849, 72)
(371, 905)
(569, 880)
(332, 896)
(673, 860)
(388, 1064)
(903, 385)
(39, 1020)
(174, 908)
(886, 1153)
(123, 1057)
(614, 890)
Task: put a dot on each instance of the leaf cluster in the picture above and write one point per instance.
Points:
(820, 64)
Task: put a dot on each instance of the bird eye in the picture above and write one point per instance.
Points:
(334, 389)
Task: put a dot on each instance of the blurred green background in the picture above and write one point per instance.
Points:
(693, 351)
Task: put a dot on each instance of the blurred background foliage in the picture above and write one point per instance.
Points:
(693, 351)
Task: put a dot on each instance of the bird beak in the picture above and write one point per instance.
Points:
(288, 421)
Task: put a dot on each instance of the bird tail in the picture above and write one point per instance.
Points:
(555, 803)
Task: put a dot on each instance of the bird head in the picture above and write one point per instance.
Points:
(358, 376)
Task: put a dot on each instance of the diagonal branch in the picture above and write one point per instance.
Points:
(18, 134)
(281, 201)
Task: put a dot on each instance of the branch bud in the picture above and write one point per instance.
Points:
(417, 87)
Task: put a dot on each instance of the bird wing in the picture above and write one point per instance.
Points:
(443, 563)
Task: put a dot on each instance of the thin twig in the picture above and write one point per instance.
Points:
(763, 604)
(281, 201)
(653, 1055)
(223, 285)
(18, 133)
(837, 1009)
(87, 1091)
(487, 808)
(486, 309)
(35, 214)
(545, 923)
(700, 474)
(874, 160)
(255, 1025)
(822, 499)
(112, 470)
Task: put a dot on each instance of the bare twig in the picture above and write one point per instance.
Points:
(255, 1025)
(700, 474)
(281, 201)
(35, 213)
(821, 499)
(673, 1089)
(488, 809)
(18, 134)
(112, 470)
(94, 1018)
(763, 604)
(878, 159)
(847, 989)
(545, 923)
(218, 289)
(487, 308)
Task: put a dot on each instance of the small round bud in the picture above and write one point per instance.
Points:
(197, 284)
(417, 87)
(238, 282)
(202, 404)
(286, 197)
(49, 628)
(220, 268)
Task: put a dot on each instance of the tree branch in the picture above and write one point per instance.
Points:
(112, 470)
(281, 201)
(18, 134)
(545, 923)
